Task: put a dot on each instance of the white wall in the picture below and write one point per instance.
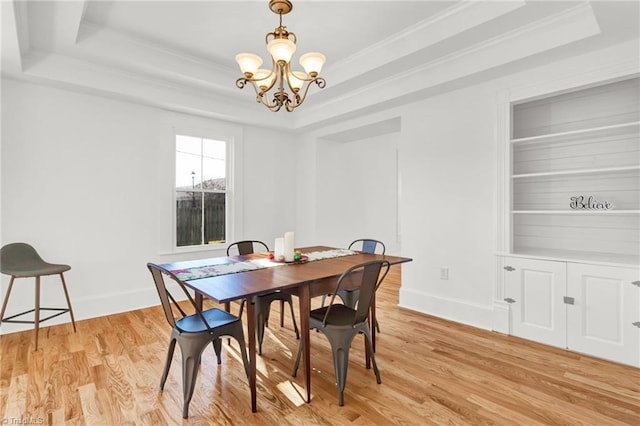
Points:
(357, 191)
(448, 167)
(88, 181)
(449, 183)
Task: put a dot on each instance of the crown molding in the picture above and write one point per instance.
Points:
(557, 30)
(449, 22)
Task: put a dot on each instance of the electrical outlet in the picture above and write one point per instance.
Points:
(444, 273)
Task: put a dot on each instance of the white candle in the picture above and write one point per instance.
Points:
(288, 246)
(278, 250)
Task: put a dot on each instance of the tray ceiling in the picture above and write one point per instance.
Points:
(179, 55)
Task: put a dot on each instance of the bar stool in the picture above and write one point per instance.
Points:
(20, 260)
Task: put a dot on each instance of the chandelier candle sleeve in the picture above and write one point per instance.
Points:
(288, 246)
(281, 86)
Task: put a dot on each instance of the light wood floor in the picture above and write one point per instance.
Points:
(433, 372)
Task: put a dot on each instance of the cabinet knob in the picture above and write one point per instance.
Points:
(636, 283)
(637, 324)
(569, 300)
(509, 268)
(509, 300)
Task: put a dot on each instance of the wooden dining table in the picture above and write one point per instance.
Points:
(303, 279)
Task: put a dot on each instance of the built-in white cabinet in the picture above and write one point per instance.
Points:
(569, 259)
(603, 312)
(535, 291)
(592, 309)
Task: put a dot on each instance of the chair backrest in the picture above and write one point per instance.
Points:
(369, 275)
(247, 247)
(168, 301)
(18, 257)
(368, 245)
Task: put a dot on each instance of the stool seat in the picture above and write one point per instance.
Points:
(28, 271)
(20, 260)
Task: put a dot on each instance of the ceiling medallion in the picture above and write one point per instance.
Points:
(290, 86)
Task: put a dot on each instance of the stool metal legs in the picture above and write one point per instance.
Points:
(37, 308)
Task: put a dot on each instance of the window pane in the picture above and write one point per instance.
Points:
(213, 164)
(187, 170)
(188, 144)
(188, 218)
(214, 218)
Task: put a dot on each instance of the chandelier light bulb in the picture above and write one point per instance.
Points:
(281, 49)
(264, 78)
(248, 62)
(297, 79)
(312, 63)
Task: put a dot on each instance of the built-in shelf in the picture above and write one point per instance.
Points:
(578, 212)
(577, 172)
(582, 145)
(582, 132)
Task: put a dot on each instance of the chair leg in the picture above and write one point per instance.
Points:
(217, 347)
(6, 299)
(190, 364)
(241, 308)
(167, 365)
(37, 310)
(239, 316)
(340, 364)
(281, 313)
(238, 334)
(369, 349)
(293, 319)
(66, 295)
(261, 322)
(296, 364)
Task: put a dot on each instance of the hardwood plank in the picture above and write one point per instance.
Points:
(433, 372)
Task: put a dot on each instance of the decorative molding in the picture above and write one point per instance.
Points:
(561, 29)
(462, 16)
(447, 308)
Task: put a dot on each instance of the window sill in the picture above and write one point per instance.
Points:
(196, 249)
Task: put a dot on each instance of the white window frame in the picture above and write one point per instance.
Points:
(234, 187)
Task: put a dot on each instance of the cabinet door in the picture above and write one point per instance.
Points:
(538, 289)
(606, 306)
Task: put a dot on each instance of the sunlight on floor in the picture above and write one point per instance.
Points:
(293, 392)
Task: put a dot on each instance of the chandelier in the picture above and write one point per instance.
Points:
(291, 86)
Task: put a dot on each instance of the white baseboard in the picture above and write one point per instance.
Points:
(450, 309)
(501, 321)
(95, 306)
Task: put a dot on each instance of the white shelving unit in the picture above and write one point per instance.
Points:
(570, 266)
(586, 144)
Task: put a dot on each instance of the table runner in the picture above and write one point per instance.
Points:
(250, 265)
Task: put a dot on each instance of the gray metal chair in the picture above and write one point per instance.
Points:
(365, 245)
(341, 323)
(193, 332)
(21, 260)
(263, 301)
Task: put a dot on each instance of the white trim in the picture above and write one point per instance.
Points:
(451, 309)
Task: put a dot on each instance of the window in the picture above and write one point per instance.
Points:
(201, 191)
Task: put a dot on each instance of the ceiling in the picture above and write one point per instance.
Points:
(179, 55)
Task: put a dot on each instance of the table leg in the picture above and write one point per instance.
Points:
(251, 329)
(199, 300)
(305, 309)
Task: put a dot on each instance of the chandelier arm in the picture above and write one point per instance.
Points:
(318, 80)
(285, 95)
